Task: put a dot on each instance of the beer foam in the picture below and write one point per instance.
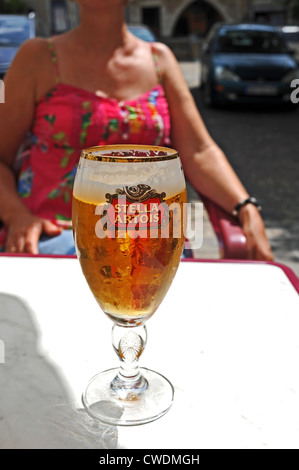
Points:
(94, 179)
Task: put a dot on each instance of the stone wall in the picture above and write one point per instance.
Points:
(170, 11)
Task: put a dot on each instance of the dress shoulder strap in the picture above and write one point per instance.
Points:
(54, 59)
(156, 63)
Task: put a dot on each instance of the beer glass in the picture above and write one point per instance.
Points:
(128, 223)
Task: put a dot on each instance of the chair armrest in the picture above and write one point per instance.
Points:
(231, 239)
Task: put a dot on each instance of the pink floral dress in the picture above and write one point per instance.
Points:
(69, 119)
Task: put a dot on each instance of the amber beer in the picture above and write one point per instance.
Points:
(128, 276)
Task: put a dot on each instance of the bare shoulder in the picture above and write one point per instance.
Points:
(172, 77)
(31, 51)
(165, 55)
(25, 69)
(168, 64)
(34, 45)
(29, 60)
(32, 67)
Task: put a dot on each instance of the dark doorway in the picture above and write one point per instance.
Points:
(59, 16)
(151, 18)
(196, 19)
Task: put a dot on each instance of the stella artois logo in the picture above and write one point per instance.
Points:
(135, 208)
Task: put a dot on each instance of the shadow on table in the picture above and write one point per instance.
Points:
(35, 410)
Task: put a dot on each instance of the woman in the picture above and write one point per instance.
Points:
(98, 84)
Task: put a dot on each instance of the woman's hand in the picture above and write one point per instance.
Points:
(24, 231)
(258, 247)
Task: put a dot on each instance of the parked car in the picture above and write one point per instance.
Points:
(291, 35)
(247, 63)
(142, 32)
(14, 30)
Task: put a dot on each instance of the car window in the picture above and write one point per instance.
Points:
(250, 41)
(14, 31)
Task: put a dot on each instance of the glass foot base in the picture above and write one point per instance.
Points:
(128, 407)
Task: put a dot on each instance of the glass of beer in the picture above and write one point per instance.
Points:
(128, 222)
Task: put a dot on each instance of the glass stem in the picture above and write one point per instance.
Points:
(129, 343)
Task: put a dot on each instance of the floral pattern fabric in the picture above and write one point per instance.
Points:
(69, 119)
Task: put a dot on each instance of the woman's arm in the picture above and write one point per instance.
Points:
(23, 88)
(205, 165)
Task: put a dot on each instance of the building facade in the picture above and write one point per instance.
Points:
(174, 18)
(182, 24)
(168, 18)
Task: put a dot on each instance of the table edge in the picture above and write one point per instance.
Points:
(294, 280)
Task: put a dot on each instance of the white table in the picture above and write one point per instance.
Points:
(226, 335)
